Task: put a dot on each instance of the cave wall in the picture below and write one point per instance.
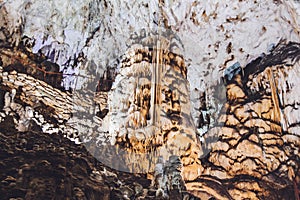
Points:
(242, 68)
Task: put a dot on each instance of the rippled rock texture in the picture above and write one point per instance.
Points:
(201, 98)
(42, 166)
(257, 154)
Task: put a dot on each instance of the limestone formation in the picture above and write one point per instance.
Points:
(199, 99)
(152, 115)
(256, 142)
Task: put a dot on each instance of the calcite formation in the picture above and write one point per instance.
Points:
(256, 142)
(207, 109)
(152, 115)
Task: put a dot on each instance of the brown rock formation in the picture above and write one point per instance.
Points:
(256, 156)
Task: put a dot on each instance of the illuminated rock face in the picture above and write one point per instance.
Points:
(256, 142)
(256, 155)
(149, 105)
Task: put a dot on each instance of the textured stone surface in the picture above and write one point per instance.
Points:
(234, 77)
(42, 166)
(251, 144)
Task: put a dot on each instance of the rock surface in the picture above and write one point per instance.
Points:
(213, 83)
(42, 166)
